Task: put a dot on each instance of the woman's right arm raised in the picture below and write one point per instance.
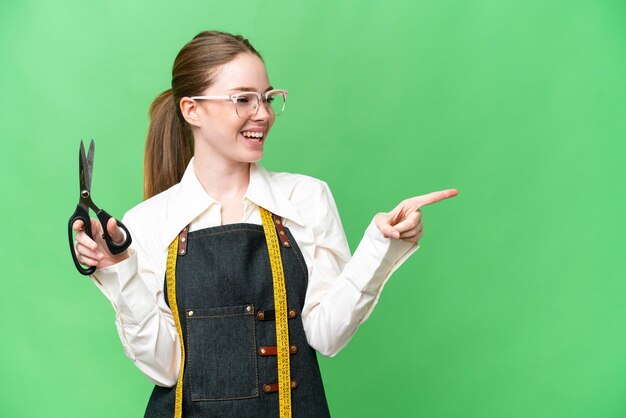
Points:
(133, 283)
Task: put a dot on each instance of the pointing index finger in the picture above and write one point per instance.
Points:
(434, 197)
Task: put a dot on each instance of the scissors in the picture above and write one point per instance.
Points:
(82, 211)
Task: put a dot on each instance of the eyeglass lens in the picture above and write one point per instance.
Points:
(247, 104)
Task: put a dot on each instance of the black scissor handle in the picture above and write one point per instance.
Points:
(114, 248)
(80, 214)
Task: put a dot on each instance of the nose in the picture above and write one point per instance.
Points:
(264, 111)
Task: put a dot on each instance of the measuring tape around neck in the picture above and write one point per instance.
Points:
(170, 277)
(280, 308)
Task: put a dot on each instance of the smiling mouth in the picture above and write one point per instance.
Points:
(253, 136)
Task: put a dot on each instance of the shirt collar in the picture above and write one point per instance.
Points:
(264, 192)
(190, 199)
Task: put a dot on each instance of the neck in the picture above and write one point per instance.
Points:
(222, 180)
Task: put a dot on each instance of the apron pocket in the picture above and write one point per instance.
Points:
(221, 353)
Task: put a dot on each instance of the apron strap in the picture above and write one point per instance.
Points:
(281, 231)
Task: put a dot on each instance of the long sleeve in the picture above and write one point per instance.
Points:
(143, 320)
(343, 290)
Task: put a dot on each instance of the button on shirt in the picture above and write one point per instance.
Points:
(342, 289)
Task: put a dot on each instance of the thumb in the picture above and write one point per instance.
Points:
(383, 222)
(78, 225)
(116, 233)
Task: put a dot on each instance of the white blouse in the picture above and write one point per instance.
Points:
(341, 293)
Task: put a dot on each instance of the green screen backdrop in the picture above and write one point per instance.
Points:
(515, 304)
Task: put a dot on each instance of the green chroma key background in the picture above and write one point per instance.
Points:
(515, 306)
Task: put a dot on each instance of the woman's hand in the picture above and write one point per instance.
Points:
(94, 252)
(405, 220)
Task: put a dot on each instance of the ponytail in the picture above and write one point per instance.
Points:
(169, 146)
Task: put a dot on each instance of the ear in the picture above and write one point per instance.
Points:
(189, 110)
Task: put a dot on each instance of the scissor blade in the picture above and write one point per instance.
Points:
(92, 149)
(82, 166)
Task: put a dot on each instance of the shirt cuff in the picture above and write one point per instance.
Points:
(375, 259)
(127, 292)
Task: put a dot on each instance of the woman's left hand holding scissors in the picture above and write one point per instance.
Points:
(98, 253)
(94, 252)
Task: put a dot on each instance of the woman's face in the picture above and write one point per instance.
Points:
(224, 134)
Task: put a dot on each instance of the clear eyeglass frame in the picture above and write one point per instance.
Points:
(247, 108)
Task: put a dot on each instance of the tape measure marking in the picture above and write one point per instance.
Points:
(170, 275)
(280, 307)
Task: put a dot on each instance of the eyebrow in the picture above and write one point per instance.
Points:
(250, 89)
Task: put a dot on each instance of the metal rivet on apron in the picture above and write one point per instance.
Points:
(277, 221)
(294, 384)
(262, 350)
(190, 313)
(182, 252)
(267, 388)
(183, 239)
(282, 232)
(292, 313)
(260, 315)
(293, 349)
(248, 308)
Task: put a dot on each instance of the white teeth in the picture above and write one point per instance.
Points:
(249, 134)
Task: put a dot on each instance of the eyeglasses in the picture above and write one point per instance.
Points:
(247, 103)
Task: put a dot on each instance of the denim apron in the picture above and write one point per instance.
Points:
(224, 293)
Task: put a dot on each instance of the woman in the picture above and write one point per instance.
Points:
(208, 223)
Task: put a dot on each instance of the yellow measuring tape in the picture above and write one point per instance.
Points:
(280, 308)
(170, 277)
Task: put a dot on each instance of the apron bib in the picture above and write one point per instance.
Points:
(224, 293)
